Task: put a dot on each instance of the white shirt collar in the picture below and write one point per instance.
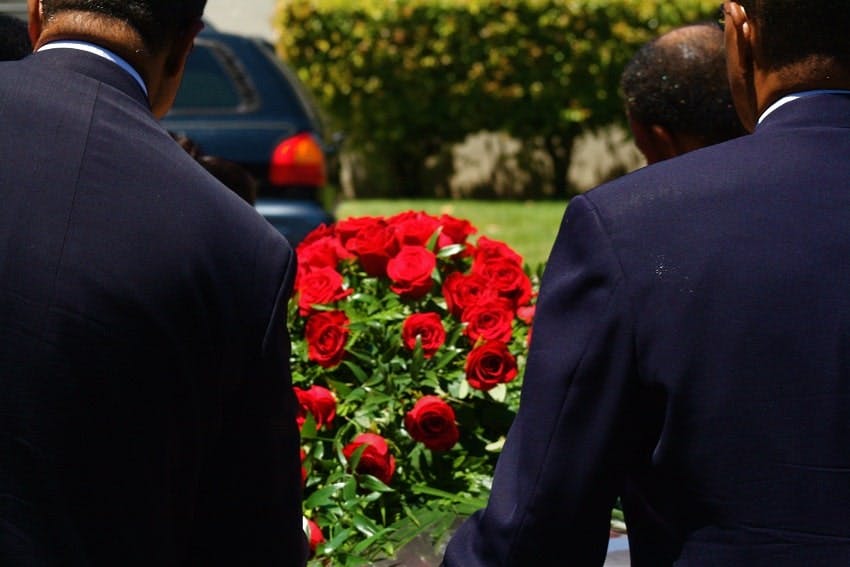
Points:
(99, 51)
(792, 97)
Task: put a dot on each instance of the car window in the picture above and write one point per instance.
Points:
(211, 82)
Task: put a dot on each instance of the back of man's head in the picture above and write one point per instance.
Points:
(678, 82)
(154, 20)
(792, 31)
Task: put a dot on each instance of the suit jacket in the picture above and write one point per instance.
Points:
(146, 410)
(691, 342)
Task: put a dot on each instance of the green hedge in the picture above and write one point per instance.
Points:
(405, 78)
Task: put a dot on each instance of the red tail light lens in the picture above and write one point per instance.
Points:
(298, 161)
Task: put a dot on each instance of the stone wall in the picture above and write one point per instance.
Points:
(248, 17)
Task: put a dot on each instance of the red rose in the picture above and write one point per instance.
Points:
(374, 245)
(326, 333)
(432, 422)
(410, 271)
(318, 401)
(319, 286)
(303, 468)
(375, 460)
(314, 536)
(486, 249)
(324, 252)
(461, 291)
(526, 313)
(317, 233)
(455, 231)
(347, 229)
(489, 320)
(428, 328)
(505, 277)
(489, 365)
(414, 228)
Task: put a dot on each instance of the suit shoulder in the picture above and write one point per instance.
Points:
(683, 182)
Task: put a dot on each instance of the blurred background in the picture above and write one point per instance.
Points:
(352, 107)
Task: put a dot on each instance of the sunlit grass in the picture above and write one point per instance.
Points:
(528, 227)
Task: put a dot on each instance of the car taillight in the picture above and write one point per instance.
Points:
(298, 161)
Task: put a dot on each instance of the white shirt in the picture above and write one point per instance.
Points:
(100, 52)
(792, 97)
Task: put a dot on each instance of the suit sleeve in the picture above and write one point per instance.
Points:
(559, 473)
(255, 505)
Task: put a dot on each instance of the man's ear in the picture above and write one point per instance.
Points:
(740, 64)
(182, 47)
(655, 142)
(34, 13)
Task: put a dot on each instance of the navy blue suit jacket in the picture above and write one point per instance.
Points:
(691, 350)
(146, 411)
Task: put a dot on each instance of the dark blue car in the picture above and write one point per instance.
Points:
(238, 101)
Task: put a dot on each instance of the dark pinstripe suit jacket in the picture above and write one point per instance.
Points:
(692, 342)
(146, 412)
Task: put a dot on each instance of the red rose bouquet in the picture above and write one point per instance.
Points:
(409, 341)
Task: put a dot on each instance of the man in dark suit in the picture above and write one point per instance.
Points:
(677, 94)
(693, 333)
(146, 410)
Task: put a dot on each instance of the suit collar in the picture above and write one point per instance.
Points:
(94, 67)
(797, 96)
(817, 109)
(99, 51)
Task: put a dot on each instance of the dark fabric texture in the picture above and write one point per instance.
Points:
(691, 353)
(146, 409)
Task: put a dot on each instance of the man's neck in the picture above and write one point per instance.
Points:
(813, 75)
(100, 52)
(113, 35)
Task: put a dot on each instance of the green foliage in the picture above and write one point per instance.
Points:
(403, 78)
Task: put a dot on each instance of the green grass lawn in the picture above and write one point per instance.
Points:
(528, 227)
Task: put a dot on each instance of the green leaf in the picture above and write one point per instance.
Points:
(322, 497)
(424, 489)
(317, 451)
(342, 389)
(446, 358)
(498, 393)
(349, 491)
(463, 389)
(377, 537)
(416, 362)
(358, 372)
(364, 525)
(369, 482)
(415, 456)
(308, 430)
(450, 250)
(337, 540)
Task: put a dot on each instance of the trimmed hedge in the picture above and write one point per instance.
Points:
(405, 78)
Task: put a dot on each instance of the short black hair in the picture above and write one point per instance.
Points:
(155, 20)
(680, 82)
(14, 38)
(792, 31)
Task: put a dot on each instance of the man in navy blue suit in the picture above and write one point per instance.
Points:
(693, 336)
(146, 409)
